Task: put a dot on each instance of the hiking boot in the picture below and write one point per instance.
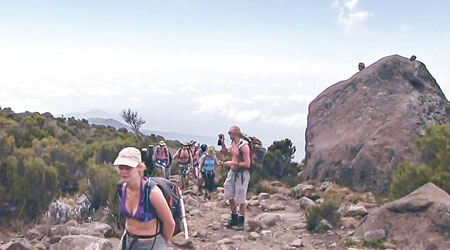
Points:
(240, 226)
(233, 222)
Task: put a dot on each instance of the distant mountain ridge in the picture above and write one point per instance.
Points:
(167, 135)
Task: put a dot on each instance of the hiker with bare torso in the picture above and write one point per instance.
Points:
(162, 159)
(236, 184)
(183, 159)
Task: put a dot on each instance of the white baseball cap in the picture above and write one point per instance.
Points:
(129, 156)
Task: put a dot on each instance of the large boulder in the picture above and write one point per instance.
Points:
(420, 220)
(81, 242)
(360, 129)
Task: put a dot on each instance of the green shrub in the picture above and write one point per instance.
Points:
(434, 166)
(327, 211)
(373, 243)
(102, 181)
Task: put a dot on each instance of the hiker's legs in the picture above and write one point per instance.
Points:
(233, 206)
(242, 209)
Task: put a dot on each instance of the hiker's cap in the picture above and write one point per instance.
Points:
(129, 156)
(210, 151)
(186, 144)
(162, 143)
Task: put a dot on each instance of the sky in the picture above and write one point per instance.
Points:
(201, 66)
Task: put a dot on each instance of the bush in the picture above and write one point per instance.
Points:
(435, 166)
(264, 187)
(327, 211)
(102, 180)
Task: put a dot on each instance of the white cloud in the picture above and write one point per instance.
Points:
(292, 120)
(214, 103)
(266, 97)
(348, 16)
(300, 98)
(189, 88)
(246, 115)
(350, 4)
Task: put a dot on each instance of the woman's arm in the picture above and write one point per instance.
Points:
(163, 212)
(216, 162)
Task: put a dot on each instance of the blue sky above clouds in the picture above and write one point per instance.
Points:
(198, 67)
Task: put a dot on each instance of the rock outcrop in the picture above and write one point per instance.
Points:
(420, 220)
(360, 129)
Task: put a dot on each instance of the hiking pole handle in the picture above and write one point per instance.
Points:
(183, 213)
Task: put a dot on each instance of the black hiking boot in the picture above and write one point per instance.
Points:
(240, 226)
(233, 222)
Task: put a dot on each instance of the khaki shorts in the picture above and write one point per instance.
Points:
(236, 185)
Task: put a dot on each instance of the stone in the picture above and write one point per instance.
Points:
(253, 224)
(224, 241)
(298, 226)
(333, 245)
(20, 244)
(55, 239)
(266, 232)
(238, 238)
(306, 203)
(349, 222)
(71, 223)
(325, 224)
(386, 119)
(325, 185)
(426, 210)
(61, 230)
(40, 246)
(375, 235)
(278, 197)
(220, 189)
(220, 197)
(81, 242)
(253, 203)
(263, 196)
(202, 233)
(253, 236)
(320, 201)
(34, 234)
(98, 228)
(276, 207)
(356, 211)
(297, 243)
(196, 213)
(270, 220)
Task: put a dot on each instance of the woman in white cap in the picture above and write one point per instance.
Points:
(143, 230)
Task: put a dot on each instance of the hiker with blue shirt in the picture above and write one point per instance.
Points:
(208, 162)
(143, 229)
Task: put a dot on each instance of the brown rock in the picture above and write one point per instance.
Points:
(416, 221)
(360, 129)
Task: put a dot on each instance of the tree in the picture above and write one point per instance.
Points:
(132, 119)
(277, 160)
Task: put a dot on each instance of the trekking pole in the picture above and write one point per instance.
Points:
(183, 213)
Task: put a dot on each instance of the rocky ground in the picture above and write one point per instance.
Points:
(273, 221)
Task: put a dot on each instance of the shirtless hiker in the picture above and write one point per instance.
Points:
(183, 159)
(236, 184)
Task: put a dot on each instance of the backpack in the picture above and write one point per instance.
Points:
(171, 193)
(173, 198)
(257, 151)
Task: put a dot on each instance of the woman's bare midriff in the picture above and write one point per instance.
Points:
(142, 228)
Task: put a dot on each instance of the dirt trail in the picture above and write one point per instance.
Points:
(285, 229)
